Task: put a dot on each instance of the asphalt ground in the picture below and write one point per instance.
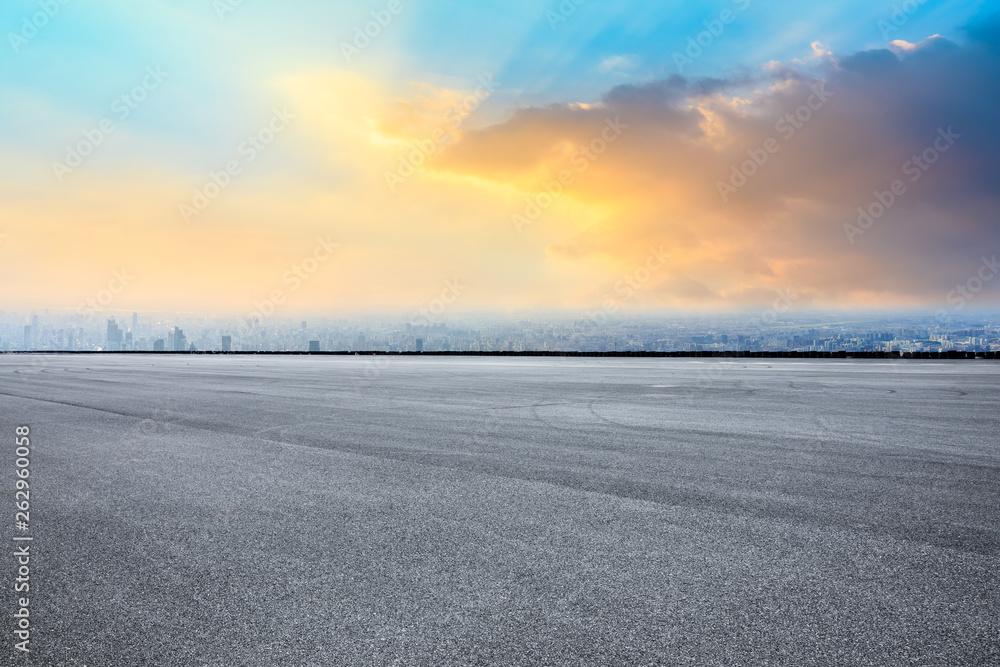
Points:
(486, 511)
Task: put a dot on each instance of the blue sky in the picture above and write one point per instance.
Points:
(89, 51)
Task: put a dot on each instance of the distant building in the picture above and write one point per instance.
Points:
(158, 346)
(135, 323)
(420, 345)
(314, 346)
(180, 341)
(27, 337)
(115, 336)
(227, 343)
(303, 326)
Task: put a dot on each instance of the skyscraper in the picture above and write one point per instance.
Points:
(135, 323)
(27, 337)
(420, 345)
(158, 346)
(314, 346)
(180, 341)
(115, 336)
(227, 343)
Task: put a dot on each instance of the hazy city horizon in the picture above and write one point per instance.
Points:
(768, 330)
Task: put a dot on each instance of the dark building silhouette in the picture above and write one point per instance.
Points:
(227, 343)
(158, 346)
(420, 345)
(27, 337)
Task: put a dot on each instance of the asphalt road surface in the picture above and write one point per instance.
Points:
(191, 510)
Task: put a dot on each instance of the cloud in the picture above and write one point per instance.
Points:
(845, 126)
(655, 185)
(621, 63)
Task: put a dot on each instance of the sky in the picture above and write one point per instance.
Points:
(668, 157)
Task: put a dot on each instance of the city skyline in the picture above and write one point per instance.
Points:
(774, 329)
